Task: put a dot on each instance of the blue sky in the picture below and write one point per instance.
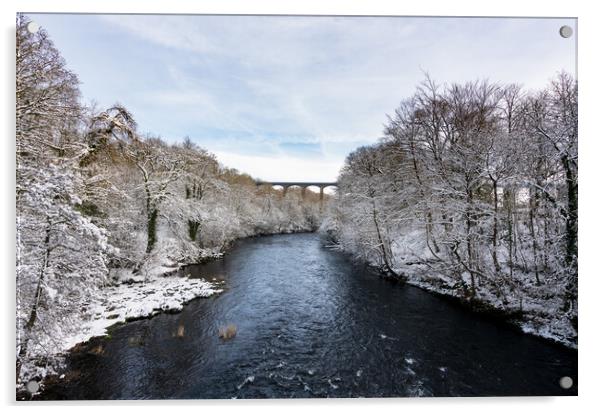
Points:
(286, 98)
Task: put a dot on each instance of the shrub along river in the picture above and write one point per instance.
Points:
(310, 323)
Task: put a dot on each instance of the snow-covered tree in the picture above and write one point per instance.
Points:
(60, 253)
(61, 262)
(474, 189)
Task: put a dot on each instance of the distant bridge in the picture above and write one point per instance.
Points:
(301, 184)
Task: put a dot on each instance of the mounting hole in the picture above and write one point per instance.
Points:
(566, 382)
(33, 27)
(32, 387)
(566, 32)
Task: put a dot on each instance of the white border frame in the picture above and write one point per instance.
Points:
(590, 286)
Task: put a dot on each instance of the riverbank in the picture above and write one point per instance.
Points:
(530, 318)
(145, 299)
(531, 313)
(327, 328)
(119, 303)
(159, 284)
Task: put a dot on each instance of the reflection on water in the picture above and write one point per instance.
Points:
(308, 323)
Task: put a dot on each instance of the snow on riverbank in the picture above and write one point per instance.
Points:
(139, 300)
(537, 309)
(537, 316)
(118, 303)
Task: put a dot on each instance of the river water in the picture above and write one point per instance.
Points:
(310, 323)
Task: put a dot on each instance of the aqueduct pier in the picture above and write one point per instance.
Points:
(301, 184)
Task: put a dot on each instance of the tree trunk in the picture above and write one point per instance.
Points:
(508, 206)
(571, 233)
(429, 231)
(151, 229)
(495, 227)
(469, 245)
(151, 219)
(193, 228)
(33, 315)
(533, 202)
(571, 220)
(381, 243)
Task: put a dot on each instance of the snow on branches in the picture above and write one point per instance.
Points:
(99, 204)
(473, 192)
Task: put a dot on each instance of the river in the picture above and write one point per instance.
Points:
(310, 323)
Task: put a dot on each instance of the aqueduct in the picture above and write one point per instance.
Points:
(302, 184)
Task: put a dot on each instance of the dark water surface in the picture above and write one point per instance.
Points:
(313, 324)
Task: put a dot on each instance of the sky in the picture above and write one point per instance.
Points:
(286, 98)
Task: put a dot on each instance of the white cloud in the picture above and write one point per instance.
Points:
(282, 168)
(326, 80)
(313, 75)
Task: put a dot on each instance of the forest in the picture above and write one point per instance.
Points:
(472, 193)
(99, 203)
